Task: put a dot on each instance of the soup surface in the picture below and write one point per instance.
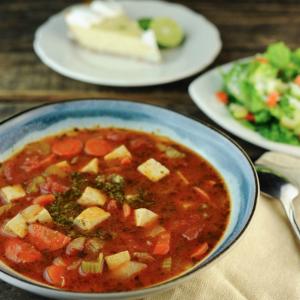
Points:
(108, 210)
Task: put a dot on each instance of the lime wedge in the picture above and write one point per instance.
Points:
(167, 31)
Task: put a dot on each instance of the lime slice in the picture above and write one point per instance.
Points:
(168, 33)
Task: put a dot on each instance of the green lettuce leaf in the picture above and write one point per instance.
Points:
(279, 55)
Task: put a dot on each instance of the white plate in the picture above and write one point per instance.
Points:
(203, 92)
(201, 47)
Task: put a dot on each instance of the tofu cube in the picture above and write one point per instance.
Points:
(91, 197)
(91, 167)
(118, 153)
(12, 192)
(144, 217)
(35, 212)
(90, 218)
(153, 170)
(116, 260)
(129, 269)
(17, 225)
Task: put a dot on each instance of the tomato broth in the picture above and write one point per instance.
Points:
(108, 210)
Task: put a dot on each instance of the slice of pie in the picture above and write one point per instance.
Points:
(104, 26)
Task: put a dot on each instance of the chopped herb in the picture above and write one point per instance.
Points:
(65, 207)
(144, 23)
(141, 199)
(79, 183)
(113, 185)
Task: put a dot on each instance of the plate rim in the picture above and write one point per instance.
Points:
(239, 131)
(57, 67)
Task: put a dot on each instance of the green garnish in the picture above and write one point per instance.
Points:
(141, 199)
(168, 32)
(113, 185)
(144, 23)
(65, 207)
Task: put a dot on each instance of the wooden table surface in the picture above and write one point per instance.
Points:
(246, 27)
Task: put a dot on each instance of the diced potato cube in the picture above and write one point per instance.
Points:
(92, 196)
(91, 167)
(118, 153)
(153, 170)
(144, 216)
(12, 192)
(44, 216)
(75, 246)
(155, 231)
(35, 212)
(5, 208)
(116, 260)
(31, 212)
(63, 165)
(17, 225)
(129, 269)
(90, 218)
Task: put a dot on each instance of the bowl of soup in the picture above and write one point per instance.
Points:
(110, 199)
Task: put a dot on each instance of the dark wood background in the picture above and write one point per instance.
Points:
(246, 27)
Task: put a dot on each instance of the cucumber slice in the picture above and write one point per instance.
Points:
(168, 32)
(238, 111)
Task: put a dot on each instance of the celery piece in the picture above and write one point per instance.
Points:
(167, 264)
(92, 267)
(33, 186)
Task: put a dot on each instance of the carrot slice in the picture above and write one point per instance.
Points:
(200, 250)
(44, 238)
(44, 200)
(222, 97)
(19, 251)
(297, 80)
(55, 275)
(126, 161)
(261, 59)
(162, 245)
(98, 147)
(273, 99)
(67, 147)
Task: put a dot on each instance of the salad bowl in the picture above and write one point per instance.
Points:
(256, 98)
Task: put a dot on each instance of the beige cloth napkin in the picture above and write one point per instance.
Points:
(263, 265)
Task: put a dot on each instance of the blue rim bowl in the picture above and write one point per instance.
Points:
(221, 151)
